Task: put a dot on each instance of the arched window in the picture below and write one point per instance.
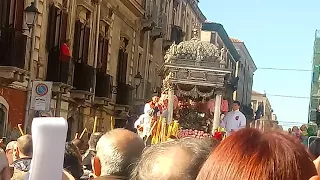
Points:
(4, 109)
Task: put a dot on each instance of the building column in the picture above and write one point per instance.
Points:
(170, 105)
(217, 111)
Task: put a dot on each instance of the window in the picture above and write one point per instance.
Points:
(57, 27)
(122, 62)
(139, 61)
(144, 4)
(141, 39)
(81, 42)
(151, 47)
(103, 50)
(3, 119)
(149, 69)
(11, 14)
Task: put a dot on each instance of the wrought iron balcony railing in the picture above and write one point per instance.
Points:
(59, 70)
(124, 94)
(83, 77)
(176, 34)
(104, 83)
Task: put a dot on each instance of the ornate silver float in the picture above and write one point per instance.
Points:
(195, 68)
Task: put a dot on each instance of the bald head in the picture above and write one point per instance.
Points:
(117, 151)
(24, 145)
(174, 160)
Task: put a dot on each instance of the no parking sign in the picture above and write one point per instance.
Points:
(41, 95)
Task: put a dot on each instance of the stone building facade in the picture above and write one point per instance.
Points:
(261, 101)
(110, 42)
(245, 69)
(217, 35)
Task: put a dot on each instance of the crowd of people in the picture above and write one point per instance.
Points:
(302, 133)
(247, 154)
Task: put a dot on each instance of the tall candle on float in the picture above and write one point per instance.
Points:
(48, 136)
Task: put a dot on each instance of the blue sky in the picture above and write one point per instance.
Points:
(278, 34)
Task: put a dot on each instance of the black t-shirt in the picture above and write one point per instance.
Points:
(87, 160)
(315, 147)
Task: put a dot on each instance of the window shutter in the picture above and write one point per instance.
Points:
(51, 29)
(86, 45)
(18, 21)
(120, 61)
(124, 68)
(100, 52)
(76, 40)
(19, 50)
(63, 28)
(105, 54)
(4, 12)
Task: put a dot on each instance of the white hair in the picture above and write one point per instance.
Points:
(113, 162)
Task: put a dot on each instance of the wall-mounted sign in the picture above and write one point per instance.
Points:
(41, 95)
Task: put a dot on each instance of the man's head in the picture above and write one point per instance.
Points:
(236, 105)
(117, 151)
(24, 146)
(155, 99)
(78, 143)
(11, 151)
(174, 160)
(67, 42)
(10, 147)
(94, 138)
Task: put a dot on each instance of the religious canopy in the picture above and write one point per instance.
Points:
(195, 68)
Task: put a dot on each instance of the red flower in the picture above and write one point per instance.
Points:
(218, 136)
(237, 118)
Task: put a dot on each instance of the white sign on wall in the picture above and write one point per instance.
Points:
(41, 95)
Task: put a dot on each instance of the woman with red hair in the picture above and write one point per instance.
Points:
(250, 154)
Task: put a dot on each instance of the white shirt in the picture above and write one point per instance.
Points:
(145, 121)
(234, 120)
(147, 107)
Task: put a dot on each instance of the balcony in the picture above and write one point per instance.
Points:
(151, 19)
(156, 33)
(59, 72)
(124, 94)
(83, 81)
(174, 34)
(13, 53)
(104, 83)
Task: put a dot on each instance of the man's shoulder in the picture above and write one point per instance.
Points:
(18, 174)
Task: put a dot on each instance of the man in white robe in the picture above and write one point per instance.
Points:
(144, 123)
(234, 120)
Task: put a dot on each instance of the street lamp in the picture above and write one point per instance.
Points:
(31, 15)
(137, 81)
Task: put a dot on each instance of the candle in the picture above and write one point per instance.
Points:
(20, 129)
(111, 122)
(48, 136)
(84, 130)
(95, 124)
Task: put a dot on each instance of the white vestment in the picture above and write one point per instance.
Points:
(145, 122)
(233, 121)
(147, 107)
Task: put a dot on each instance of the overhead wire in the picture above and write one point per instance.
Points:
(287, 96)
(286, 123)
(284, 69)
